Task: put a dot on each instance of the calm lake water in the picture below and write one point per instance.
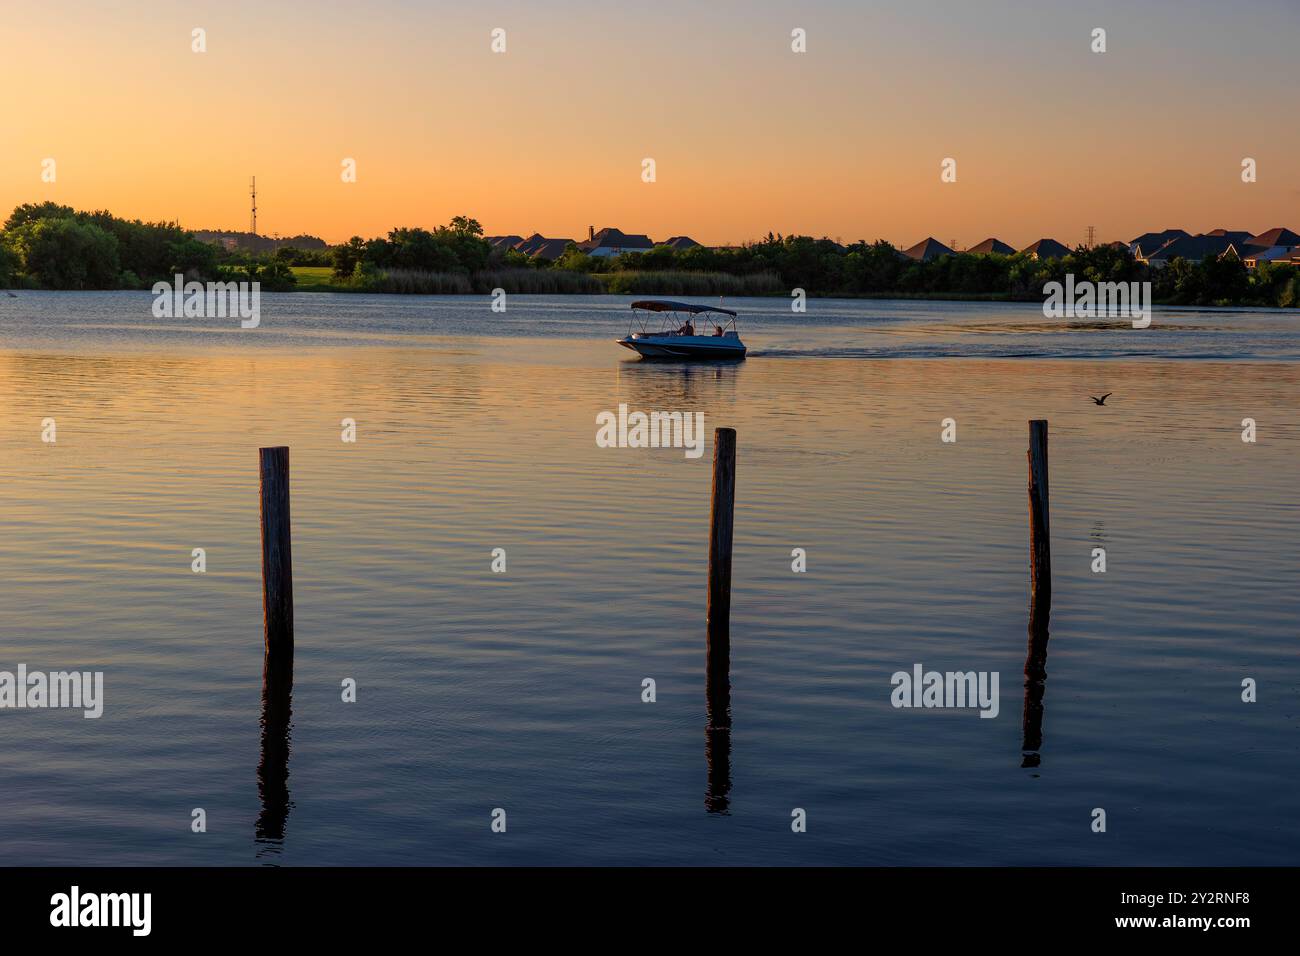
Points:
(522, 690)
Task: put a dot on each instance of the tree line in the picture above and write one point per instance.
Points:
(826, 268)
(51, 246)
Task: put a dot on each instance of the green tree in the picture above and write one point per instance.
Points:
(66, 253)
(9, 266)
(465, 226)
(574, 259)
(344, 258)
(274, 275)
(1290, 296)
(31, 212)
(1269, 282)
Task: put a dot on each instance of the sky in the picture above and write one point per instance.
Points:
(844, 140)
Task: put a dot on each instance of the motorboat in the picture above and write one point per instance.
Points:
(684, 331)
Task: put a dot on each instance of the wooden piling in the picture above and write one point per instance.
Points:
(1040, 596)
(277, 557)
(721, 523)
(717, 664)
(1040, 543)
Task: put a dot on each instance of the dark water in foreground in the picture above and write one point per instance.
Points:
(522, 690)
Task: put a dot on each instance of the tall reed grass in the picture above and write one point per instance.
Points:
(557, 281)
(562, 282)
(415, 282)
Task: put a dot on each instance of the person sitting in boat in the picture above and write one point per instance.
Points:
(686, 329)
(717, 330)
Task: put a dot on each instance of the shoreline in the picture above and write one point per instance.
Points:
(992, 298)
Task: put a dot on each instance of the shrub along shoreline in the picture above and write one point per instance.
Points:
(49, 246)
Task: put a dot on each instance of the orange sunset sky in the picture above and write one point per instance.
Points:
(845, 140)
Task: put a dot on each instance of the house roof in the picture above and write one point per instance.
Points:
(1233, 235)
(529, 246)
(990, 246)
(1192, 248)
(503, 242)
(927, 249)
(1149, 242)
(1047, 249)
(616, 239)
(680, 242)
(1275, 237)
(550, 249)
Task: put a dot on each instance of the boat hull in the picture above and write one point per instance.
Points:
(713, 348)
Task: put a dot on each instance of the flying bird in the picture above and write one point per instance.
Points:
(1102, 400)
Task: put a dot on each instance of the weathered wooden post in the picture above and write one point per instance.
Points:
(277, 556)
(721, 522)
(717, 664)
(1040, 596)
(1040, 543)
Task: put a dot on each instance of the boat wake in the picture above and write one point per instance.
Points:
(974, 352)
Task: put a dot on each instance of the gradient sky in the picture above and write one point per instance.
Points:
(844, 140)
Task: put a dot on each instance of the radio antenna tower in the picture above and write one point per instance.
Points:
(1092, 236)
(252, 191)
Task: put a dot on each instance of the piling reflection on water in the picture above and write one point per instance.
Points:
(273, 767)
(1035, 685)
(717, 731)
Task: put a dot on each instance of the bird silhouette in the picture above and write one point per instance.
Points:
(1102, 400)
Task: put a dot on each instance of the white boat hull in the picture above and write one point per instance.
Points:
(709, 347)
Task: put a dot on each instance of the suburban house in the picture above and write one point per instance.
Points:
(535, 246)
(1046, 249)
(1149, 242)
(550, 249)
(927, 249)
(1194, 249)
(991, 246)
(679, 242)
(529, 245)
(1276, 245)
(538, 246)
(613, 242)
